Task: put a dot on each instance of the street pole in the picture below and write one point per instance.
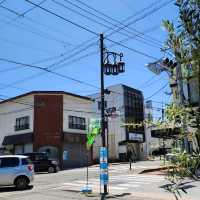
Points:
(163, 116)
(198, 115)
(102, 99)
(182, 103)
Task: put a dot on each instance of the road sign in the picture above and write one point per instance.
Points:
(103, 166)
(156, 67)
(136, 137)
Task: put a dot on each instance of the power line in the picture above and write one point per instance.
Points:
(10, 10)
(37, 62)
(41, 73)
(49, 71)
(36, 6)
(92, 38)
(155, 93)
(153, 28)
(116, 43)
(21, 45)
(97, 22)
(143, 16)
(152, 82)
(63, 18)
(72, 55)
(90, 31)
(136, 35)
(58, 67)
(2, 1)
(50, 28)
(18, 14)
(132, 49)
(63, 65)
(22, 15)
(70, 78)
(7, 85)
(53, 72)
(150, 39)
(149, 80)
(31, 9)
(148, 30)
(34, 30)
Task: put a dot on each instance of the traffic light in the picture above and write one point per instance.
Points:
(169, 63)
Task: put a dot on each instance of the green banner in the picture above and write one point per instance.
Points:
(94, 130)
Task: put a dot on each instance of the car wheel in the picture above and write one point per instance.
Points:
(56, 169)
(21, 183)
(51, 170)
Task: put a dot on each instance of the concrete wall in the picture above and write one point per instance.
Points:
(150, 143)
(116, 132)
(9, 111)
(76, 107)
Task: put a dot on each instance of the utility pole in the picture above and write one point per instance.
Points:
(111, 64)
(198, 110)
(182, 103)
(163, 116)
(102, 100)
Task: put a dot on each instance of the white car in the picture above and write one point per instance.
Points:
(16, 170)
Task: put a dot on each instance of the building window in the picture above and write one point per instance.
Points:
(77, 123)
(99, 105)
(22, 123)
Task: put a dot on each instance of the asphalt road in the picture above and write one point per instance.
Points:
(123, 184)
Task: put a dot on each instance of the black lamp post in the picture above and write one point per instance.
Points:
(108, 67)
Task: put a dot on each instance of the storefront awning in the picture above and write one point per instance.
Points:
(167, 133)
(18, 139)
(125, 142)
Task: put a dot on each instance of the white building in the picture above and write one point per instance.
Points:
(129, 108)
(151, 143)
(46, 120)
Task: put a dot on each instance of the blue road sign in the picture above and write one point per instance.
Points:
(103, 166)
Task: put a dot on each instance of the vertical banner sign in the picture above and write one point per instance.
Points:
(103, 166)
(94, 130)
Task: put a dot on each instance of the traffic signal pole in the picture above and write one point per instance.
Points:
(102, 99)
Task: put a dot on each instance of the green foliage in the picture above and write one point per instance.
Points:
(177, 115)
(184, 41)
(182, 165)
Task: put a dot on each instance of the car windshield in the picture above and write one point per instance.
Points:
(41, 156)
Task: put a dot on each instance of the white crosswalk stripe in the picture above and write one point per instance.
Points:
(116, 183)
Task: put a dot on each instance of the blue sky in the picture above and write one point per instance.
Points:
(39, 35)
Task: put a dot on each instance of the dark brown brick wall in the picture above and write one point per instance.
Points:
(48, 120)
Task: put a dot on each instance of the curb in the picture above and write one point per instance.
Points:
(153, 170)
